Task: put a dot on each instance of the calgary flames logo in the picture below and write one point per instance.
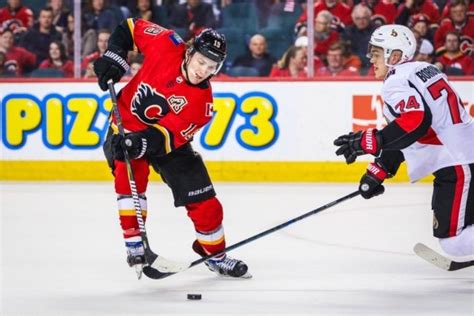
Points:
(148, 105)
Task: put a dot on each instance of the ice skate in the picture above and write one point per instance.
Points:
(226, 266)
(136, 257)
(229, 267)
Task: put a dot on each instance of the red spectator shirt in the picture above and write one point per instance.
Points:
(23, 17)
(89, 59)
(285, 72)
(459, 61)
(67, 68)
(17, 59)
(321, 47)
(158, 94)
(466, 31)
(385, 10)
(428, 8)
(340, 11)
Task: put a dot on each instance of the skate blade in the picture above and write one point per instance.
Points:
(139, 270)
(247, 275)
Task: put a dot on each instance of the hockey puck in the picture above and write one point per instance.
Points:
(194, 297)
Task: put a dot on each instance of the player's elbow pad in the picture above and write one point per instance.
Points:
(396, 136)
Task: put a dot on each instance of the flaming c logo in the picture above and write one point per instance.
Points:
(367, 112)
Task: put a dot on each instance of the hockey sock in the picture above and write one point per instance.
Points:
(128, 218)
(207, 218)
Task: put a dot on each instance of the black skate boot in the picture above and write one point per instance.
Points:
(226, 266)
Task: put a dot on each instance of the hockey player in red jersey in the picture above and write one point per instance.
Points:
(162, 107)
(428, 128)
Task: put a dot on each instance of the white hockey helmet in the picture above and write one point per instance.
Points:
(394, 37)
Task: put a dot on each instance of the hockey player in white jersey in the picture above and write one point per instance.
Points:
(428, 128)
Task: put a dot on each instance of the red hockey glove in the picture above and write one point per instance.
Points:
(356, 144)
(371, 182)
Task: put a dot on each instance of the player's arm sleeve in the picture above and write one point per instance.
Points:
(390, 161)
(412, 118)
(135, 34)
(121, 38)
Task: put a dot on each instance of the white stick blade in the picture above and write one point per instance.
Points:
(432, 256)
(167, 266)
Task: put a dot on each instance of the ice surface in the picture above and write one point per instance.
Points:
(62, 254)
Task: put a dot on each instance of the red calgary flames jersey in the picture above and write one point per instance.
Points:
(158, 95)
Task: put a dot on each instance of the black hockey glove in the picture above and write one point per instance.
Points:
(112, 65)
(138, 144)
(371, 182)
(356, 144)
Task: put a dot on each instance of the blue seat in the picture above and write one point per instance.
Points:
(240, 71)
(242, 16)
(284, 20)
(277, 41)
(236, 45)
(47, 73)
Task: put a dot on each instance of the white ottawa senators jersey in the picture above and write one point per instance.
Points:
(419, 86)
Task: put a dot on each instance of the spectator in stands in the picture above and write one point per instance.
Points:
(102, 44)
(413, 7)
(193, 16)
(425, 51)
(68, 36)
(58, 59)
(302, 41)
(146, 10)
(97, 16)
(292, 64)
(339, 10)
(257, 56)
(447, 7)
(335, 63)
(382, 12)
(459, 21)
(60, 14)
(16, 17)
(38, 38)
(453, 61)
(420, 24)
(324, 35)
(17, 60)
(3, 71)
(136, 62)
(89, 72)
(359, 33)
(351, 60)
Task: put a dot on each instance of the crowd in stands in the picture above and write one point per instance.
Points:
(266, 38)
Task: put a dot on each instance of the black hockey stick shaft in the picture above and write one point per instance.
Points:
(276, 228)
(457, 265)
(131, 177)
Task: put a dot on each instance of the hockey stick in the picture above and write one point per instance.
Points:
(264, 233)
(155, 264)
(439, 260)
